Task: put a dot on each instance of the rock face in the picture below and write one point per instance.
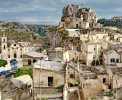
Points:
(70, 11)
(76, 17)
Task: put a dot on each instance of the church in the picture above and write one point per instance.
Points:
(18, 54)
(12, 51)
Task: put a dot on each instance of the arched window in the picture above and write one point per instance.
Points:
(4, 47)
(104, 80)
(15, 55)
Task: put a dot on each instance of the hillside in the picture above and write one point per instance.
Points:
(24, 28)
(111, 22)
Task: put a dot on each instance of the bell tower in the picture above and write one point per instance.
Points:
(4, 47)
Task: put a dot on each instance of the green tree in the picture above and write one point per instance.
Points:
(3, 63)
(23, 71)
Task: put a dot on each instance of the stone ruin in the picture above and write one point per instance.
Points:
(77, 17)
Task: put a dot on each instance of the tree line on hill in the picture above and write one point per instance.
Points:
(111, 22)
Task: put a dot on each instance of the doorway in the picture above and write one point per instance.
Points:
(50, 81)
(29, 62)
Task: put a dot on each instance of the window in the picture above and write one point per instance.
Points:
(72, 76)
(34, 60)
(20, 56)
(118, 39)
(110, 86)
(8, 56)
(77, 25)
(15, 55)
(112, 60)
(104, 80)
(29, 62)
(111, 37)
(4, 47)
(50, 81)
(117, 60)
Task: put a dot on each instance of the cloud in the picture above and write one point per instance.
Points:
(27, 19)
(50, 11)
(37, 20)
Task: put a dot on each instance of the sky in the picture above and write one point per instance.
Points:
(50, 11)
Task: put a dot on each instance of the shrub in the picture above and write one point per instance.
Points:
(23, 71)
(3, 63)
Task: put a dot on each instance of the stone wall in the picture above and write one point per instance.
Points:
(40, 78)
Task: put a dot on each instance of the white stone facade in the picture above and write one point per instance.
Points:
(10, 51)
(111, 57)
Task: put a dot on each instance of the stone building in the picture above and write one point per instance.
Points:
(11, 51)
(30, 58)
(16, 51)
(48, 77)
(111, 57)
(91, 51)
(76, 17)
